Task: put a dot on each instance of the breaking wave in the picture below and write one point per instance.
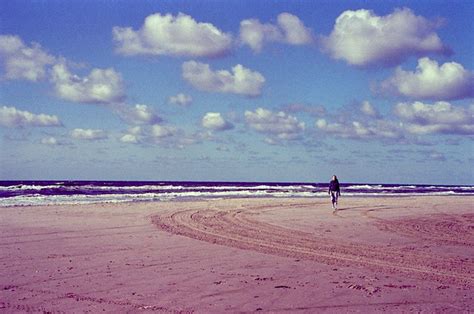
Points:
(22, 193)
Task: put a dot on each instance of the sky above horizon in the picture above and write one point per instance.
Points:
(373, 91)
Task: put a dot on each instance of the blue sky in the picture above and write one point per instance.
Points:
(374, 91)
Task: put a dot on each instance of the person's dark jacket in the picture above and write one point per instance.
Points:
(334, 186)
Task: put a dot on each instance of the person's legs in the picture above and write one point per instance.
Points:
(333, 199)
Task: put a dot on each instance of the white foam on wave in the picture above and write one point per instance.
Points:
(197, 187)
(20, 187)
(37, 199)
(33, 194)
(364, 186)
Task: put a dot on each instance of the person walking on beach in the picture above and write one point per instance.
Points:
(334, 191)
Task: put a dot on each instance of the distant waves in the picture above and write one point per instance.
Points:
(21, 193)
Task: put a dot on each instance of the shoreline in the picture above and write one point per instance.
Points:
(210, 199)
(240, 254)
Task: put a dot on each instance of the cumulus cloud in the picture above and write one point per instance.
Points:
(88, 134)
(180, 100)
(277, 125)
(51, 141)
(376, 129)
(369, 110)
(289, 30)
(430, 81)
(366, 123)
(294, 31)
(414, 119)
(440, 117)
(172, 136)
(33, 63)
(179, 35)
(101, 86)
(138, 114)
(129, 138)
(22, 62)
(363, 38)
(161, 131)
(241, 81)
(215, 121)
(133, 135)
(165, 135)
(11, 117)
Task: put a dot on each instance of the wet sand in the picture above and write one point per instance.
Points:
(240, 255)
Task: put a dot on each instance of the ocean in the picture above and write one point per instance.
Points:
(22, 193)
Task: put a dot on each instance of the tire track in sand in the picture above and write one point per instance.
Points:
(237, 228)
(123, 304)
(437, 228)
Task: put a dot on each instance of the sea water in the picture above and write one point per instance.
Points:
(21, 193)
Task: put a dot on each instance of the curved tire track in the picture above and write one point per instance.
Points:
(237, 228)
(439, 228)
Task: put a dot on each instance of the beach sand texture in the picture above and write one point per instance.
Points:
(240, 255)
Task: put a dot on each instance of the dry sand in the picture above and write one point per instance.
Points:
(240, 255)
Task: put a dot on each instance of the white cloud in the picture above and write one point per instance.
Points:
(180, 100)
(295, 33)
(12, 117)
(138, 114)
(415, 119)
(52, 141)
(255, 34)
(165, 135)
(376, 129)
(135, 130)
(369, 110)
(362, 38)
(129, 138)
(241, 81)
(102, 86)
(171, 136)
(289, 29)
(172, 35)
(161, 131)
(431, 81)
(440, 117)
(279, 125)
(88, 134)
(21, 61)
(215, 121)
(133, 135)
(34, 64)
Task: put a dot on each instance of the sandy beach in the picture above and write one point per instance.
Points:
(240, 255)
